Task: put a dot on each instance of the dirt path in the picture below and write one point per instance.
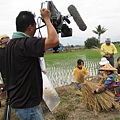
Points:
(71, 108)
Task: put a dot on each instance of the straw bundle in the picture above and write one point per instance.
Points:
(102, 80)
(97, 102)
(80, 77)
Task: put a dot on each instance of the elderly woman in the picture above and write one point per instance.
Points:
(111, 83)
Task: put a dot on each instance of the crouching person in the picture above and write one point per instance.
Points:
(111, 83)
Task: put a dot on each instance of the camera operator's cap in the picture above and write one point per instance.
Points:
(107, 40)
(3, 35)
(108, 67)
(103, 61)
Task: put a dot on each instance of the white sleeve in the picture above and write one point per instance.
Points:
(42, 63)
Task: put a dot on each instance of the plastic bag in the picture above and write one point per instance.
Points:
(50, 95)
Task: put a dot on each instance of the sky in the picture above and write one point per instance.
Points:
(93, 12)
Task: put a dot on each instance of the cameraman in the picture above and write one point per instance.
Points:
(23, 74)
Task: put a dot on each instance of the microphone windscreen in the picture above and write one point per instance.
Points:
(77, 18)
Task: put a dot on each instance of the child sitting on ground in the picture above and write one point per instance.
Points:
(80, 69)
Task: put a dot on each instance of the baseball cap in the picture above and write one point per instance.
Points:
(107, 40)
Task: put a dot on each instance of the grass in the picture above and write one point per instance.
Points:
(116, 118)
(91, 54)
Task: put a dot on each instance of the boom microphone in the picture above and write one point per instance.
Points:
(77, 18)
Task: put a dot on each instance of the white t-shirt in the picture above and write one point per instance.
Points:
(42, 63)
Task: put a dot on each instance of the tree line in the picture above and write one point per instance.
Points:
(90, 42)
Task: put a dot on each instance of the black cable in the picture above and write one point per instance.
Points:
(39, 26)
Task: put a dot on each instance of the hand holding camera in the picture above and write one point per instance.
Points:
(59, 21)
(45, 13)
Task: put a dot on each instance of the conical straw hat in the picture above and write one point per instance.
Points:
(108, 66)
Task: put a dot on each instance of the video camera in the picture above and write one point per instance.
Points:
(57, 20)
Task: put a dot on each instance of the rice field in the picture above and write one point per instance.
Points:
(60, 66)
(61, 72)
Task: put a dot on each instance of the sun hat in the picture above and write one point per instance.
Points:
(107, 40)
(2, 36)
(103, 61)
(108, 66)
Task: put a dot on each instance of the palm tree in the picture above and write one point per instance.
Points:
(99, 30)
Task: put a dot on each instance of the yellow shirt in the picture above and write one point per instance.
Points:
(76, 71)
(105, 48)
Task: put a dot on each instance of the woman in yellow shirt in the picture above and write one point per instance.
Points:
(80, 68)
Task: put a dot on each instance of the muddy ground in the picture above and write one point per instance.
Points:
(71, 108)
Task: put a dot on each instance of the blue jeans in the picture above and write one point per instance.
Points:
(33, 113)
(79, 85)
